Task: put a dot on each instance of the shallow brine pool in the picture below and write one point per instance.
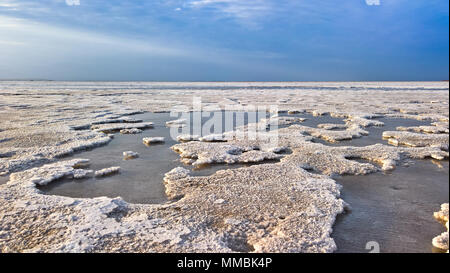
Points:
(141, 179)
(393, 209)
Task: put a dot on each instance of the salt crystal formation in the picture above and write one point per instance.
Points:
(333, 136)
(213, 138)
(110, 128)
(208, 153)
(330, 126)
(107, 171)
(81, 173)
(176, 123)
(44, 175)
(152, 140)
(187, 138)
(437, 129)
(441, 241)
(363, 121)
(277, 120)
(130, 155)
(417, 140)
(131, 131)
(274, 207)
(116, 120)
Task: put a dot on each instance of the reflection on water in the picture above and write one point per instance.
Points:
(394, 209)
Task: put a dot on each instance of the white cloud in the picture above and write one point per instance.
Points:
(243, 10)
(73, 2)
(9, 5)
(373, 2)
(29, 47)
(11, 43)
(36, 33)
(27, 33)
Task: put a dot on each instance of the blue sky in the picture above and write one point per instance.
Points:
(224, 40)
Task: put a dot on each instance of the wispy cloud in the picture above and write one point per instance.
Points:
(248, 12)
(255, 13)
(8, 5)
(373, 2)
(11, 43)
(219, 37)
(26, 29)
(73, 2)
(32, 44)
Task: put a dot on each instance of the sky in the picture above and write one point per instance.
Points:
(225, 40)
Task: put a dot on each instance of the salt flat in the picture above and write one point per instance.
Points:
(285, 206)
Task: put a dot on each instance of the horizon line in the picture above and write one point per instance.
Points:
(204, 81)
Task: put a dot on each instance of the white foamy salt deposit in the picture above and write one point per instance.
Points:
(109, 128)
(107, 171)
(442, 241)
(130, 155)
(213, 138)
(49, 173)
(153, 140)
(186, 138)
(82, 173)
(131, 131)
(417, 139)
(176, 123)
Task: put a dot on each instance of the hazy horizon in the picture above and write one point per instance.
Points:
(199, 81)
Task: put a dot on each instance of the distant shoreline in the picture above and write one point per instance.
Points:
(118, 81)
